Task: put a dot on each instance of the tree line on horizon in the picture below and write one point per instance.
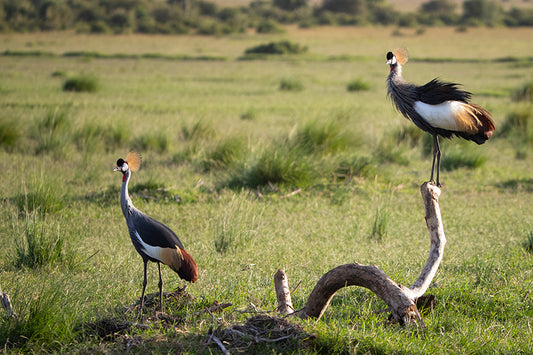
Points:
(265, 16)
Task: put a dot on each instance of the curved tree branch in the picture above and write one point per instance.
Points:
(401, 300)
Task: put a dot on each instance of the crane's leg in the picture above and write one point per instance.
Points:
(160, 287)
(144, 288)
(436, 157)
(438, 154)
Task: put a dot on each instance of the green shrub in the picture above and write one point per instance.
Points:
(269, 26)
(81, 83)
(291, 85)
(281, 47)
(358, 85)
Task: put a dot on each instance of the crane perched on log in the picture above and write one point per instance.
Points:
(153, 240)
(439, 108)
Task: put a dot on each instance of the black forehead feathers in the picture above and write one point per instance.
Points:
(120, 162)
(390, 55)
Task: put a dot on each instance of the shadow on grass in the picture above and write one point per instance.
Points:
(522, 184)
(177, 331)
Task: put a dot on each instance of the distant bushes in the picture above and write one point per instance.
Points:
(280, 47)
(358, 85)
(81, 83)
(291, 84)
(208, 18)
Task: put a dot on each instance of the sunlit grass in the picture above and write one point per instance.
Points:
(252, 179)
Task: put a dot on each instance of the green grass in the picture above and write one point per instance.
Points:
(37, 244)
(81, 83)
(291, 84)
(253, 179)
(357, 85)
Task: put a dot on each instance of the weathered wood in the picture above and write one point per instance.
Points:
(6, 304)
(283, 293)
(430, 195)
(401, 306)
(400, 299)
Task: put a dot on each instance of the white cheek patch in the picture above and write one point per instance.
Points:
(440, 116)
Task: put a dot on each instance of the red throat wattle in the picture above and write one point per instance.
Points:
(123, 177)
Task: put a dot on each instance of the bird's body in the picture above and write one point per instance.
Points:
(153, 240)
(439, 108)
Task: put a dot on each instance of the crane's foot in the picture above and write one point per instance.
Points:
(432, 182)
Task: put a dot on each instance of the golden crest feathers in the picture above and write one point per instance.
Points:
(134, 160)
(401, 55)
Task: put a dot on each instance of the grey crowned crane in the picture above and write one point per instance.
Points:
(153, 240)
(439, 108)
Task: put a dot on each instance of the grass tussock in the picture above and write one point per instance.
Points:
(50, 131)
(197, 131)
(324, 137)
(523, 93)
(37, 243)
(358, 85)
(273, 165)
(97, 136)
(41, 195)
(45, 322)
(380, 224)
(291, 84)
(10, 134)
(462, 156)
(238, 227)
(158, 141)
(81, 83)
(223, 154)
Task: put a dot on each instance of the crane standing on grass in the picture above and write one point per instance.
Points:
(438, 108)
(152, 239)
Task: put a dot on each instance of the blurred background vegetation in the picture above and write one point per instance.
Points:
(264, 16)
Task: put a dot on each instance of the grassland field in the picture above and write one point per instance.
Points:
(207, 127)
